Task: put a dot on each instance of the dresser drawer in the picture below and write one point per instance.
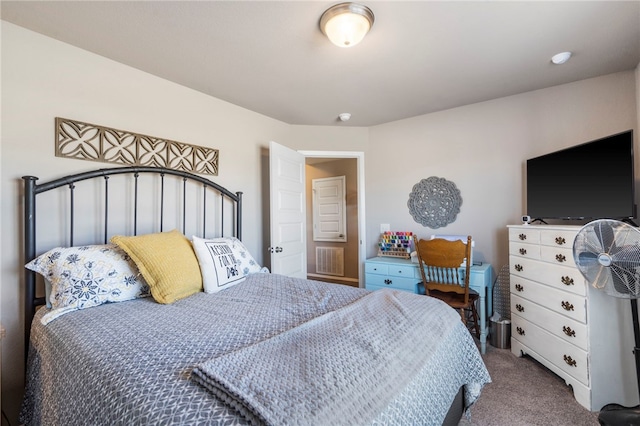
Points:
(376, 268)
(557, 237)
(557, 276)
(404, 271)
(529, 251)
(392, 270)
(568, 304)
(557, 256)
(398, 283)
(378, 287)
(529, 235)
(563, 355)
(565, 328)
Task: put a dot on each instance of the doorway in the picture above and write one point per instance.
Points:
(332, 226)
(323, 164)
(287, 217)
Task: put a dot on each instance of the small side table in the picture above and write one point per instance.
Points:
(402, 274)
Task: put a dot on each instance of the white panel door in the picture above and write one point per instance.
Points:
(329, 209)
(288, 211)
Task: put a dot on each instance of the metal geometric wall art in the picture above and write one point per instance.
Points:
(85, 141)
(434, 202)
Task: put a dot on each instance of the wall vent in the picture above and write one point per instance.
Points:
(330, 261)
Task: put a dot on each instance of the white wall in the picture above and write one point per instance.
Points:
(330, 138)
(42, 79)
(1, 239)
(638, 96)
(480, 147)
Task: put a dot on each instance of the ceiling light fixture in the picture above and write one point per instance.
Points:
(346, 24)
(561, 58)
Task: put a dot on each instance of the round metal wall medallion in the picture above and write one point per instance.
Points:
(434, 202)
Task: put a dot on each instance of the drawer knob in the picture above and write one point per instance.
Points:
(387, 281)
(570, 361)
(522, 237)
(519, 287)
(568, 331)
(523, 251)
(519, 267)
(519, 308)
(567, 280)
(561, 258)
(560, 241)
(567, 306)
(520, 331)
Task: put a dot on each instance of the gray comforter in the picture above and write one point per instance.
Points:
(132, 362)
(306, 375)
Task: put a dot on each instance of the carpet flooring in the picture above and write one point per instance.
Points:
(524, 392)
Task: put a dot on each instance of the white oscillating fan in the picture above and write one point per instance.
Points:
(607, 253)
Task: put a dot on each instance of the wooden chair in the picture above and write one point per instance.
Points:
(444, 278)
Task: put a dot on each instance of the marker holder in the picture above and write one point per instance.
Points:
(396, 244)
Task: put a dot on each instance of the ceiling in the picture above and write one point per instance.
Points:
(420, 56)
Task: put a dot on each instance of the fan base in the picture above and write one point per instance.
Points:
(619, 415)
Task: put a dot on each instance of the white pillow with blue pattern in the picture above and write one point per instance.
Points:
(87, 276)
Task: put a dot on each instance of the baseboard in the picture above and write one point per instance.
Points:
(333, 277)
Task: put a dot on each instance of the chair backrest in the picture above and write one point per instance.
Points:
(440, 265)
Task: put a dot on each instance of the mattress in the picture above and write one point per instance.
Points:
(133, 362)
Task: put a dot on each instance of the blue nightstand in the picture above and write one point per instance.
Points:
(402, 274)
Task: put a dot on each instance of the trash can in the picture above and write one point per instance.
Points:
(500, 334)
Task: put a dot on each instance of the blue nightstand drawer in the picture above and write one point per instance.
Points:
(377, 287)
(391, 269)
(376, 268)
(389, 281)
(408, 271)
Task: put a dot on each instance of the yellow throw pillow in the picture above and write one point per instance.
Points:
(167, 262)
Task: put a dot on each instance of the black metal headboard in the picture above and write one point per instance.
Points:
(32, 189)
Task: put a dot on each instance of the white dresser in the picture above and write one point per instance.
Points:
(575, 330)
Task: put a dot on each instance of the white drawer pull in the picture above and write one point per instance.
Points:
(567, 306)
(561, 258)
(570, 361)
(568, 331)
(560, 241)
(567, 280)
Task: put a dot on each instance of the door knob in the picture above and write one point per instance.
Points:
(275, 249)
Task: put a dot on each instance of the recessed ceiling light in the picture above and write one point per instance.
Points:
(345, 116)
(561, 58)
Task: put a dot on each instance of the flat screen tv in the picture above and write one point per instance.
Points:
(594, 180)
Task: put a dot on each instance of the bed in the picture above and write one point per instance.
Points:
(245, 347)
